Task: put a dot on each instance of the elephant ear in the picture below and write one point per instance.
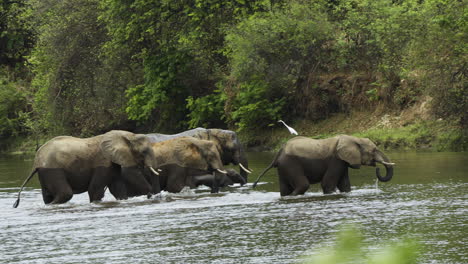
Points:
(348, 150)
(116, 145)
(213, 135)
(227, 139)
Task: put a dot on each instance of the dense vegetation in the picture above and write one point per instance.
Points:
(82, 67)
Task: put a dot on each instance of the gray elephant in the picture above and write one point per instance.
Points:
(303, 161)
(179, 159)
(69, 165)
(227, 179)
(228, 145)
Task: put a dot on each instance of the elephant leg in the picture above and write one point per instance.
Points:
(56, 184)
(100, 179)
(134, 177)
(285, 187)
(294, 174)
(96, 195)
(344, 185)
(336, 171)
(216, 182)
(118, 189)
(46, 196)
(175, 179)
(155, 184)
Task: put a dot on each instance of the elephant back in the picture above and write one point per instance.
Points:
(304, 147)
(181, 151)
(69, 152)
(157, 137)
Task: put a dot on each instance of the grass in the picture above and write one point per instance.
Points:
(388, 132)
(427, 135)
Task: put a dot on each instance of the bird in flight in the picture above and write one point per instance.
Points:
(291, 130)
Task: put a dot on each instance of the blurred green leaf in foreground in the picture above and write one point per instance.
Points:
(349, 248)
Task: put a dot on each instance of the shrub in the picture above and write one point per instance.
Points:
(13, 107)
(270, 53)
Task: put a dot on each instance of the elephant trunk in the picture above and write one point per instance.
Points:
(242, 181)
(388, 167)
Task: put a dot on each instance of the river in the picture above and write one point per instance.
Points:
(427, 199)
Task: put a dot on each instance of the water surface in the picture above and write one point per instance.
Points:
(426, 199)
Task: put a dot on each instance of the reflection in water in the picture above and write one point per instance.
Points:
(426, 199)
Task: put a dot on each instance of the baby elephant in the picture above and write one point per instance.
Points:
(303, 161)
(228, 179)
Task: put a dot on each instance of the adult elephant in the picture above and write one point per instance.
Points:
(303, 161)
(228, 145)
(228, 179)
(68, 165)
(179, 159)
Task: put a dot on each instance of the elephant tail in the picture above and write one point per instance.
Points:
(22, 186)
(273, 164)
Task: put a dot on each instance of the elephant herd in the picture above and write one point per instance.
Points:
(131, 164)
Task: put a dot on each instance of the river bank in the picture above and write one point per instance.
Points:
(411, 129)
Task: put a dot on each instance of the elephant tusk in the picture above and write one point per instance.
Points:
(388, 163)
(244, 168)
(152, 170)
(159, 170)
(222, 171)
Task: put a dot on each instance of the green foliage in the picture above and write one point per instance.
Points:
(206, 111)
(270, 53)
(13, 107)
(256, 108)
(161, 87)
(180, 45)
(278, 44)
(17, 36)
(89, 66)
(372, 94)
(349, 249)
(75, 89)
(375, 37)
(439, 55)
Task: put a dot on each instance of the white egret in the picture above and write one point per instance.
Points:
(291, 130)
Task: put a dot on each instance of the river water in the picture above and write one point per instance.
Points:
(427, 200)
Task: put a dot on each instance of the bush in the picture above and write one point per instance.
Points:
(206, 111)
(13, 108)
(440, 54)
(270, 53)
(255, 109)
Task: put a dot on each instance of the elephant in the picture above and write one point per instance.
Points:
(68, 165)
(227, 179)
(179, 159)
(228, 145)
(303, 161)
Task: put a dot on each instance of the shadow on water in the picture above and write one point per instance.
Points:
(312, 198)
